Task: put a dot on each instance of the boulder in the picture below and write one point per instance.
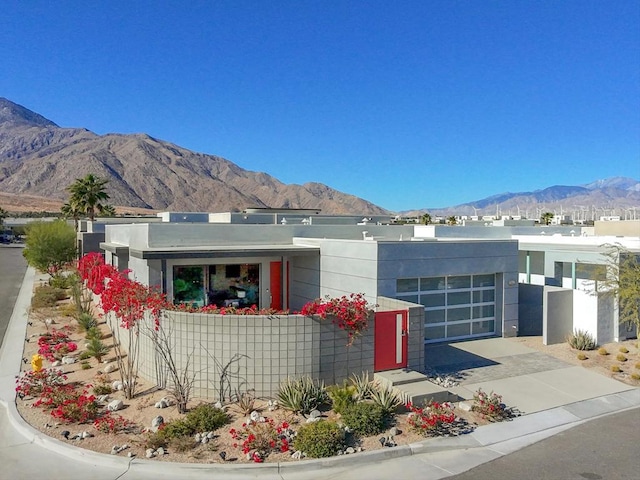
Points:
(115, 405)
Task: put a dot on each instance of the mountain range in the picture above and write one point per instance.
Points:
(38, 159)
(606, 197)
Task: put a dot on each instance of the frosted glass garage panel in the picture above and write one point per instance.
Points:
(459, 298)
(433, 300)
(408, 298)
(484, 311)
(434, 333)
(484, 281)
(406, 285)
(484, 296)
(434, 316)
(458, 330)
(457, 314)
(458, 282)
(485, 327)
(432, 283)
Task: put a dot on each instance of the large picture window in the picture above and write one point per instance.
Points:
(457, 306)
(236, 285)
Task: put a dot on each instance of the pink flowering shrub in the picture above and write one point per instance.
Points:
(259, 438)
(431, 419)
(490, 406)
(55, 344)
(214, 309)
(110, 423)
(33, 384)
(350, 313)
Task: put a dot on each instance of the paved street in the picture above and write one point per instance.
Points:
(604, 448)
(12, 268)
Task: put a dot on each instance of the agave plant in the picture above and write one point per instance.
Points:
(386, 397)
(363, 386)
(302, 395)
(581, 340)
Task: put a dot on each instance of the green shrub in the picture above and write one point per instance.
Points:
(47, 296)
(205, 418)
(582, 356)
(156, 440)
(581, 340)
(621, 358)
(302, 395)
(615, 368)
(85, 365)
(319, 439)
(97, 349)
(93, 332)
(623, 350)
(365, 418)
(102, 389)
(637, 365)
(341, 396)
(86, 321)
(602, 351)
(62, 281)
(182, 444)
(635, 376)
(177, 428)
(85, 355)
(68, 310)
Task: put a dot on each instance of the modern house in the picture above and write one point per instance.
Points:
(432, 283)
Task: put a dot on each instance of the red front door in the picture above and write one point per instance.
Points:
(275, 278)
(390, 340)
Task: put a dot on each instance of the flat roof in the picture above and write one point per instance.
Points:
(218, 251)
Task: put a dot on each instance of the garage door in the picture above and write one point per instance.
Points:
(456, 306)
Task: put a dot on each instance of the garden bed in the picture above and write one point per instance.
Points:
(139, 412)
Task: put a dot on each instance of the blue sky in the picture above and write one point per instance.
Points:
(407, 104)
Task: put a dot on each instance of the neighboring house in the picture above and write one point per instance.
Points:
(563, 275)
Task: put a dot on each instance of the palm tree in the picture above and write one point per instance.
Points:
(108, 211)
(3, 214)
(88, 195)
(452, 220)
(546, 218)
(70, 210)
(425, 219)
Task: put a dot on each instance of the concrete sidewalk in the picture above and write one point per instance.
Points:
(435, 458)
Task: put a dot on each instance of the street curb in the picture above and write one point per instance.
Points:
(531, 428)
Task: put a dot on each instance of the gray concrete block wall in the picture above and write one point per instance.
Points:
(259, 352)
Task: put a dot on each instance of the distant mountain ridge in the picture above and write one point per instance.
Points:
(39, 158)
(614, 196)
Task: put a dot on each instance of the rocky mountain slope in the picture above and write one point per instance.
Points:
(39, 158)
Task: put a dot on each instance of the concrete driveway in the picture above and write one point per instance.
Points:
(527, 379)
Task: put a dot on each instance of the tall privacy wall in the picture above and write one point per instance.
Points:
(253, 352)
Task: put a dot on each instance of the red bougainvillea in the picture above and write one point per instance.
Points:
(350, 313)
(126, 298)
